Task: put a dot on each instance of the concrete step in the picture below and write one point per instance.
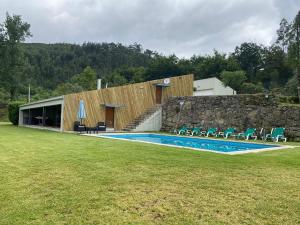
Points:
(137, 121)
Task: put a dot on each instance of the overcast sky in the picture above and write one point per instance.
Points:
(183, 27)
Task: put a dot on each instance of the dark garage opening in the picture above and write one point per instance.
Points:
(47, 116)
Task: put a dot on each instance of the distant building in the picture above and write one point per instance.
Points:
(211, 86)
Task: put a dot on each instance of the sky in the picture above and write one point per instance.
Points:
(181, 27)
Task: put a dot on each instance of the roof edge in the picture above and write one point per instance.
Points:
(44, 101)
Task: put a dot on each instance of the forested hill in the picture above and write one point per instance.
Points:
(54, 69)
(52, 64)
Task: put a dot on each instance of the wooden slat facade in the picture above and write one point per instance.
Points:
(135, 99)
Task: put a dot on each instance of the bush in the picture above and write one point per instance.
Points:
(291, 87)
(13, 112)
(250, 88)
(233, 79)
(289, 99)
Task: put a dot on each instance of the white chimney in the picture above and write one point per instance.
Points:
(98, 84)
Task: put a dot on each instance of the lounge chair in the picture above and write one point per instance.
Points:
(176, 130)
(210, 132)
(277, 134)
(196, 131)
(227, 133)
(183, 130)
(79, 127)
(248, 134)
(101, 126)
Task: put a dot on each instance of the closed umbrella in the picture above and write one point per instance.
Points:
(81, 114)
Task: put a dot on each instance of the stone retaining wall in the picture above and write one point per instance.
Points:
(239, 111)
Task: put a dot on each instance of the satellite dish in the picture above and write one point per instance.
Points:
(167, 81)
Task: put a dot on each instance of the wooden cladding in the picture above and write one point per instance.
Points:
(134, 99)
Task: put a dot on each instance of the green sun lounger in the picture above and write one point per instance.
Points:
(184, 130)
(227, 133)
(248, 134)
(210, 132)
(277, 134)
(196, 131)
(176, 130)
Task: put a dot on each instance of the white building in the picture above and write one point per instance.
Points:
(211, 86)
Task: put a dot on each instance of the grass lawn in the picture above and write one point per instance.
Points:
(54, 178)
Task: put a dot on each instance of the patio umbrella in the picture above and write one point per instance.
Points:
(81, 114)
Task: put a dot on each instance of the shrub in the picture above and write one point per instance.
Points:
(289, 99)
(233, 79)
(250, 88)
(13, 112)
(291, 87)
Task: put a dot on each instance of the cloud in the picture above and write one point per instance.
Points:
(183, 27)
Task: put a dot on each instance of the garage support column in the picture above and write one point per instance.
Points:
(43, 117)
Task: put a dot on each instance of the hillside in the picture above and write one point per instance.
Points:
(52, 64)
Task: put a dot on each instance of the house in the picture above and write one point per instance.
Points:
(119, 107)
(211, 86)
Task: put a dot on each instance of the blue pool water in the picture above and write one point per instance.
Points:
(189, 142)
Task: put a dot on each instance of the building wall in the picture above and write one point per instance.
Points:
(239, 111)
(136, 99)
(211, 86)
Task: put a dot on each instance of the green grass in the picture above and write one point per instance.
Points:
(54, 178)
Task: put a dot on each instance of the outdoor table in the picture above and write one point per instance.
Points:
(40, 119)
(91, 130)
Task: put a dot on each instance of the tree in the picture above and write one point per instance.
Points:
(116, 79)
(291, 87)
(84, 81)
(294, 48)
(87, 79)
(234, 79)
(129, 74)
(276, 70)
(250, 57)
(283, 34)
(250, 88)
(163, 66)
(12, 32)
(67, 88)
(13, 112)
(210, 66)
(3, 95)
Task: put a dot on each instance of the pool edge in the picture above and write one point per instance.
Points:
(280, 147)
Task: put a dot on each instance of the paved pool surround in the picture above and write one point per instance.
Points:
(195, 143)
(239, 111)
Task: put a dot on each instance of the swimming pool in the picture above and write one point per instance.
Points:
(196, 143)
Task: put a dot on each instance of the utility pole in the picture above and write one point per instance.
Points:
(29, 93)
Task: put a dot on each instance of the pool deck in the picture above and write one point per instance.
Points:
(280, 147)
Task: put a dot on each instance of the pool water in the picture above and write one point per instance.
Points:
(191, 142)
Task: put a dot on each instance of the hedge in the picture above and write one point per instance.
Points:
(13, 112)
